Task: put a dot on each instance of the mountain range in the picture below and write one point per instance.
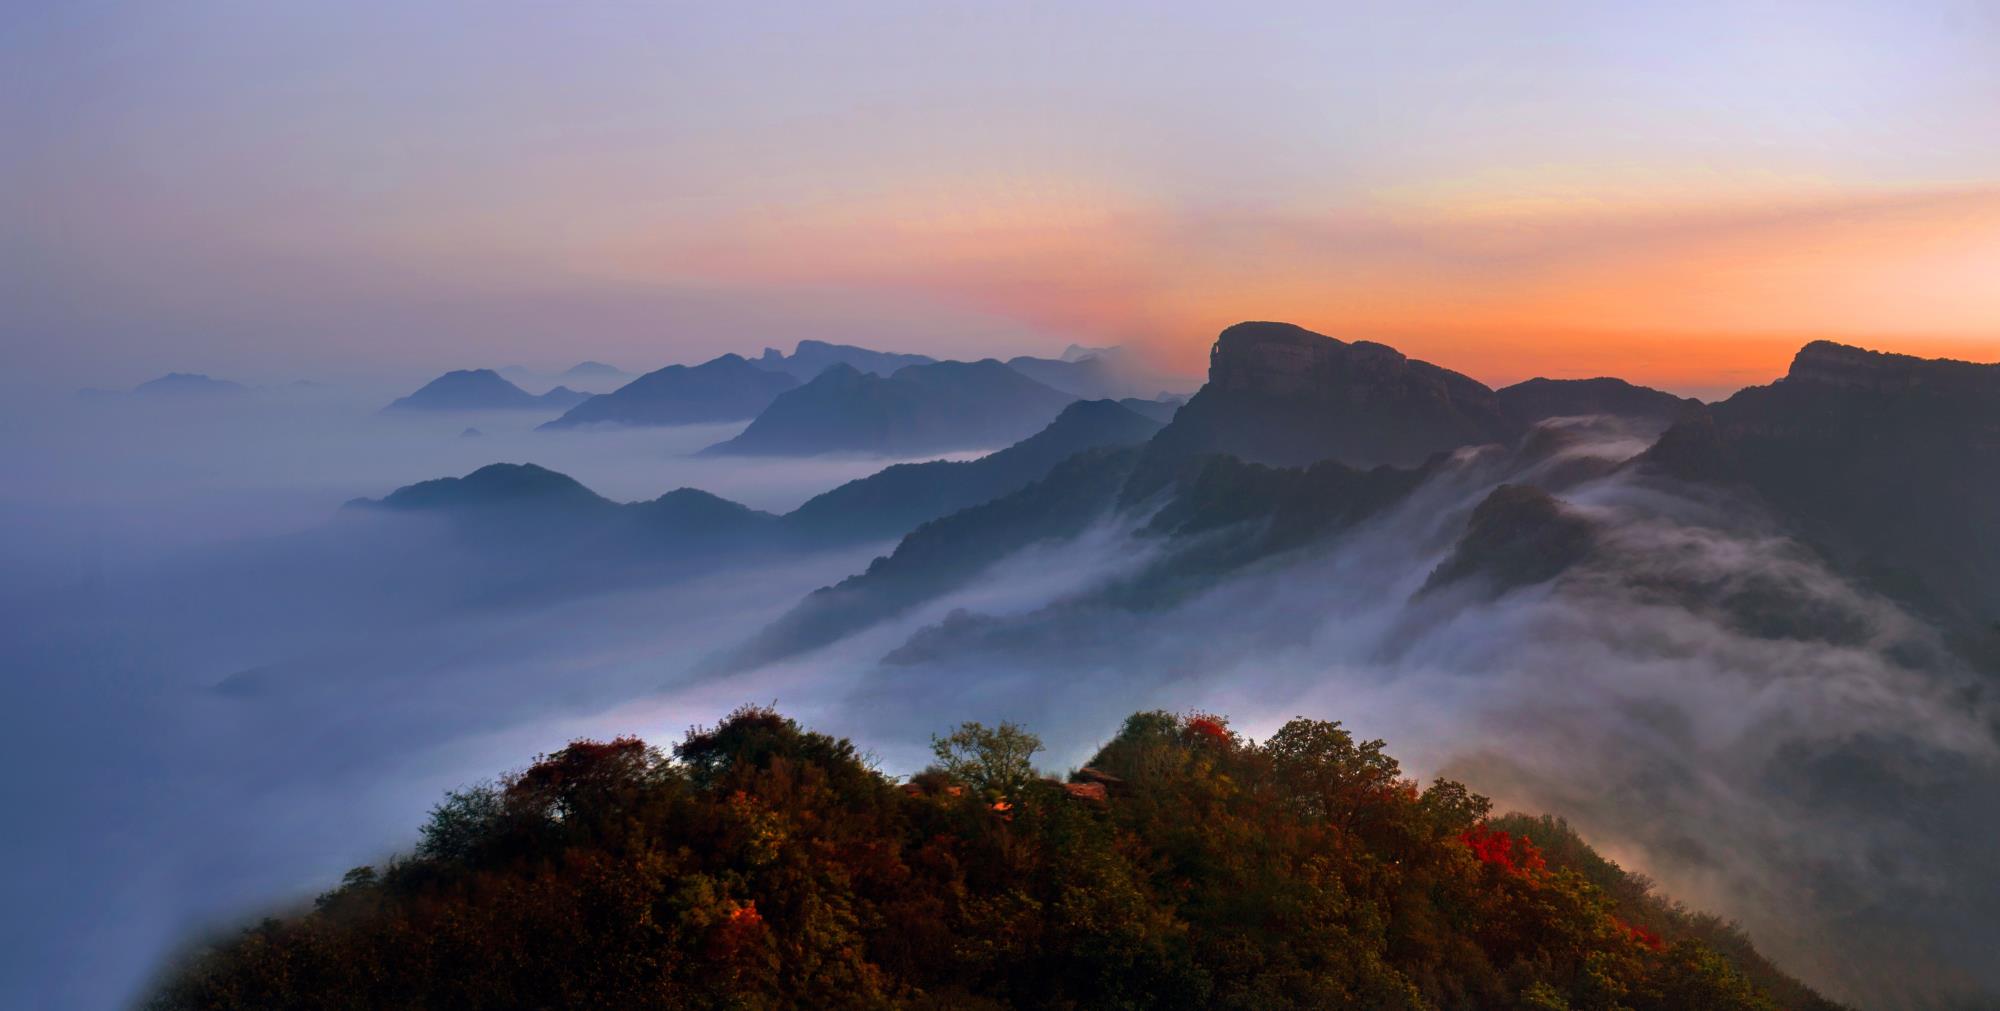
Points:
(1766, 623)
(728, 388)
(508, 505)
(187, 385)
(917, 409)
(1887, 465)
(809, 358)
(1809, 450)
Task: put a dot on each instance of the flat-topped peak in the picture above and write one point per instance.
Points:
(1828, 363)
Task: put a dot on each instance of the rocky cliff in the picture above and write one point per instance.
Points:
(1283, 395)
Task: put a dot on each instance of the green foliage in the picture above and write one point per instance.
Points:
(996, 762)
(766, 866)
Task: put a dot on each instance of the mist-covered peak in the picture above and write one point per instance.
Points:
(1078, 352)
(468, 390)
(493, 484)
(919, 409)
(809, 358)
(724, 388)
(1518, 535)
(699, 509)
(189, 384)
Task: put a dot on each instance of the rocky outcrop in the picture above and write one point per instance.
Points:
(1841, 366)
(1518, 536)
(1888, 465)
(1283, 395)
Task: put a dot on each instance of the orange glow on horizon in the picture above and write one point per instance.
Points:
(1697, 299)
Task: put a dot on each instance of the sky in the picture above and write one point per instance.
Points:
(1678, 194)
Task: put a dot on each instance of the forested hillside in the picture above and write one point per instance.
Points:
(761, 865)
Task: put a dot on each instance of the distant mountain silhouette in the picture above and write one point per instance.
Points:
(539, 526)
(189, 384)
(1078, 352)
(499, 484)
(896, 500)
(1160, 409)
(594, 370)
(728, 388)
(810, 358)
(1539, 399)
(1089, 378)
(919, 409)
(1284, 395)
(563, 397)
(524, 528)
(481, 390)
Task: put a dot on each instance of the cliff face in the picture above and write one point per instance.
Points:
(1868, 400)
(1284, 395)
(1824, 363)
(1889, 464)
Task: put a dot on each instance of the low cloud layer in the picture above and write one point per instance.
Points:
(230, 709)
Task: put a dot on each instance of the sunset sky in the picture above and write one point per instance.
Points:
(1679, 194)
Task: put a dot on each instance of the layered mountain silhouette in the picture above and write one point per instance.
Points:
(530, 529)
(918, 409)
(810, 358)
(728, 388)
(1539, 399)
(1283, 395)
(1092, 378)
(513, 504)
(899, 498)
(482, 390)
(189, 385)
(1160, 409)
(587, 370)
(1304, 453)
(1816, 447)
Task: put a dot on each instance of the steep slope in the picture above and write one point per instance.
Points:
(899, 498)
(728, 388)
(810, 358)
(1538, 399)
(945, 554)
(1888, 464)
(1280, 394)
(481, 390)
(919, 409)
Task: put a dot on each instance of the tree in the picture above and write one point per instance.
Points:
(995, 761)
